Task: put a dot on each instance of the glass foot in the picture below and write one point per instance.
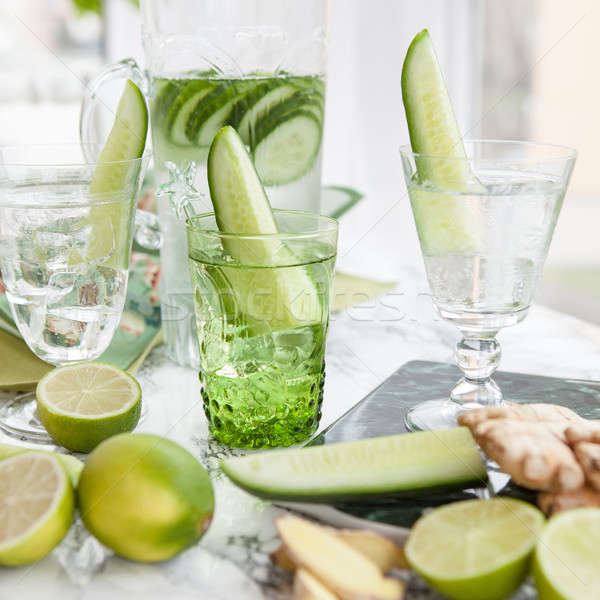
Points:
(433, 415)
(18, 418)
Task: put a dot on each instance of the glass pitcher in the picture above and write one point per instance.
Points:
(258, 65)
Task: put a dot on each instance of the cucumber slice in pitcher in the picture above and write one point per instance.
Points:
(110, 222)
(257, 104)
(285, 298)
(286, 150)
(212, 112)
(181, 109)
(374, 467)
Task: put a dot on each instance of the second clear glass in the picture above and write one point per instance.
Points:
(484, 241)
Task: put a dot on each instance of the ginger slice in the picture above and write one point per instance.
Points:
(382, 551)
(554, 502)
(281, 559)
(308, 587)
(343, 569)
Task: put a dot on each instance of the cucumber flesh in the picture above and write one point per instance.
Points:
(431, 120)
(110, 222)
(366, 468)
(264, 98)
(126, 140)
(212, 112)
(181, 109)
(286, 150)
(288, 297)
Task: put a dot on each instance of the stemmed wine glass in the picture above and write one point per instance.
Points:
(484, 242)
(64, 257)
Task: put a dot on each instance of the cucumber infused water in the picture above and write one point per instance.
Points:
(262, 284)
(280, 120)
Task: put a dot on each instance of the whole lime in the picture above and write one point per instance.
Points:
(145, 497)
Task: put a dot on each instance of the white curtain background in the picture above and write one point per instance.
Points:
(364, 123)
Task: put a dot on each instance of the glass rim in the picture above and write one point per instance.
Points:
(333, 227)
(563, 152)
(57, 146)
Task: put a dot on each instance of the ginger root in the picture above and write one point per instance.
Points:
(543, 447)
(554, 502)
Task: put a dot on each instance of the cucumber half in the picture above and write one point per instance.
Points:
(110, 221)
(373, 467)
(431, 121)
(285, 298)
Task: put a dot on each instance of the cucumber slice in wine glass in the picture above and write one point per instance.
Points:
(442, 220)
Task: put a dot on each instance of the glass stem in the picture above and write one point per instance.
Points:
(477, 356)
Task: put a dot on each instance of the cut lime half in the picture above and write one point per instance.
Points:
(475, 549)
(81, 405)
(567, 557)
(36, 507)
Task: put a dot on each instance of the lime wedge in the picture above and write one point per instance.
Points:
(567, 556)
(114, 181)
(36, 507)
(475, 549)
(81, 405)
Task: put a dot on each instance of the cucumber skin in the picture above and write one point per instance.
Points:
(350, 496)
(412, 128)
(269, 127)
(242, 106)
(213, 186)
(297, 103)
(353, 492)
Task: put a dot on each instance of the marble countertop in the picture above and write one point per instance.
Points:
(365, 345)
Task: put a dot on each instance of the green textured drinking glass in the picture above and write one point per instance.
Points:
(262, 323)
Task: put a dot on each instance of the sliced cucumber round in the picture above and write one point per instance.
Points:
(257, 104)
(212, 112)
(284, 297)
(431, 121)
(286, 149)
(180, 110)
(366, 468)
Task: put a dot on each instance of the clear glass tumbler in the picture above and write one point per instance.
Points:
(64, 256)
(485, 226)
(262, 308)
(258, 65)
